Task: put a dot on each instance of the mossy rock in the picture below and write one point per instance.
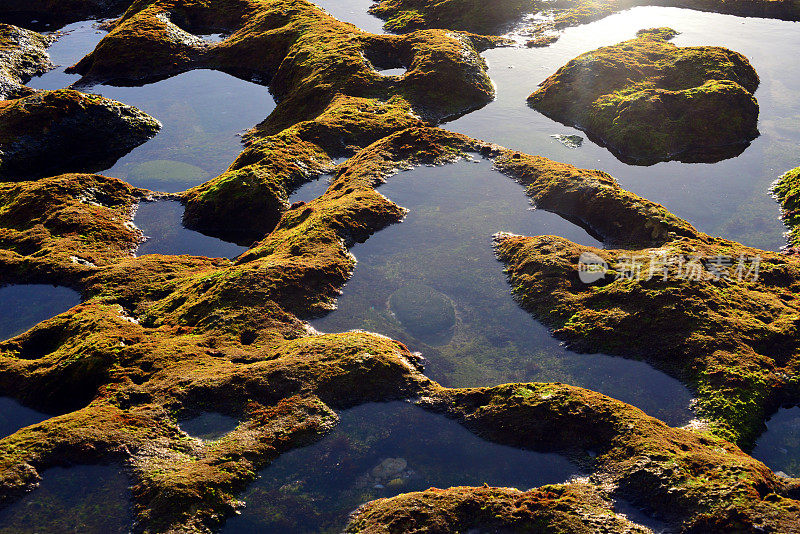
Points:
(787, 191)
(648, 100)
(423, 311)
(53, 132)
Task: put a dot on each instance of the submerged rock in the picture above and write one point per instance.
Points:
(52, 132)
(569, 141)
(649, 100)
(423, 311)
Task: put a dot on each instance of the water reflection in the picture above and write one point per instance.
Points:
(14, 416)
(779, 446)
(25, 305)
(382, 450)
(203, 113)
(209, 426)
(354, 12)
(440, 259)
(161, 223)
(728, 198)
(85, 499)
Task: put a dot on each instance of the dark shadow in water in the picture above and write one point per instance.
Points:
(161, 223)
(779, 446)
(14, 416)
(209, 426)
(382, 450)
(87, 499)
(710, 155)
(25, 305)
(445, 244)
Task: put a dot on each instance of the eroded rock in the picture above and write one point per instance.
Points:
(52, 132)
(648, 100)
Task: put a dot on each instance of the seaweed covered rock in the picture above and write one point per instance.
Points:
(568, 508)
(648, 100)
(714, 313)
(23, 54)
(787, 191)
(332, 99)
(693, 481)
(62, 228)
(59, 131)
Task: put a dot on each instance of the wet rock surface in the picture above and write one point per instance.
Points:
(648, 100)
(53, 132)
(158, 336)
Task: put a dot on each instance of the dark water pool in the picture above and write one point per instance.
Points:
(203, 112)
(23, 306)
(779, 446)
(442, 256)
(161, 223)
(14, 416)
(729, 198)
(209, 426)
(86, 499)
(382, 450)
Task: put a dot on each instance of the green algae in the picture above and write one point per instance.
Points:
(649, 100)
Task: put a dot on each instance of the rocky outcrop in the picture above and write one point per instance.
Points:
(23, 54)
(557, 509)
(648, 100)
(51, 132)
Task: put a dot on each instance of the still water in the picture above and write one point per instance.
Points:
(203, 112)
(14, 416)
(25, 305)
(729, 198)
(441, 256)
(779, 446)
(209, 426)
(86, 499)
(382, 450)
(161, 223)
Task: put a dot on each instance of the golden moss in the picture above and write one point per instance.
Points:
(649, 100)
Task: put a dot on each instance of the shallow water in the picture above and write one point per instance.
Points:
(25, 305)
(444, 247)
(14, 416)
(779, 446)
(203, 112)
(161, 223)
(209, 426)
(86, 499)
(729, 198)
(382, 450)
(310, 190)
(354, 12)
